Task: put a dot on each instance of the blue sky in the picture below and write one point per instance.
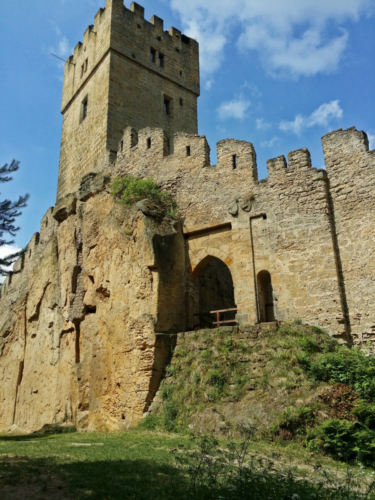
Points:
(277, 74)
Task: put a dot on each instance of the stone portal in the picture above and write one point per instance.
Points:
(214, 292)
(265, 294)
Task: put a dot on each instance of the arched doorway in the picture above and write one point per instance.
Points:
(215, 292)
(265, 295)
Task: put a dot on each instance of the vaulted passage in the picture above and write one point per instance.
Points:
(216, 292)
(266, 308)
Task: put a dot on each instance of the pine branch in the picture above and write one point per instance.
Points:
(8, 261)
(7, 169)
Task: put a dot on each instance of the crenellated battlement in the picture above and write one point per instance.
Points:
(128, 33)
(148, 149)
(33, 252)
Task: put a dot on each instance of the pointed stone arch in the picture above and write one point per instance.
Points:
(199, 260)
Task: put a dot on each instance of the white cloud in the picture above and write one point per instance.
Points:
(62, 48)
(234, 109)
(254, 91)
(262, 125)
(208, 84)
(6, 250)
(321, 116)
(270, 143)
(371, 140)
(292, 38)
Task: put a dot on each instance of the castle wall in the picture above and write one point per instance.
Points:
(351, 170)
(281, 224)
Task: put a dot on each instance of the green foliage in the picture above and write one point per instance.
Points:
(166, 391)
(365, 413)
(229, 471)
(129, 190)
(170, 413)
(9, 211)
(217, 379)
(150, 423)
(343, 439)
(308, 344)
(295, 421)
(346, 366)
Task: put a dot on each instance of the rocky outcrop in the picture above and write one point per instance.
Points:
(79, 345)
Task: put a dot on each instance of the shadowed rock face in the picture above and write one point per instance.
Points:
(79, 345)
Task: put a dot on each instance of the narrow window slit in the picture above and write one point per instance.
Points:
(234, 161)
(188, 151)
(152, 55)
(149, 143)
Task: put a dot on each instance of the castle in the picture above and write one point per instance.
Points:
(87, 326)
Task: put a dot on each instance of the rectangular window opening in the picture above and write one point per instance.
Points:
(86, 64)
(167, 106)
(234, 161)
(161, 60)
(149, 143)
(152, 55)
(188, 151)
(181, 102)
(82, 70)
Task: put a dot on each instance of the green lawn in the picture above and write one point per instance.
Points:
(134, 464)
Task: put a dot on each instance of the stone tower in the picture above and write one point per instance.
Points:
(127, 72)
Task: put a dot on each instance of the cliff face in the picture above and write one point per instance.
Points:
(79, 344)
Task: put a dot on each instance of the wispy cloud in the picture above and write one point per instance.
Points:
(270, 143)
(293, 38)
(62, 47)
(262, 125)
(234, 109)
(321, 116)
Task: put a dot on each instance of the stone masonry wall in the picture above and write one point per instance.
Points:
(281, 224)
(112, 71)
(351, 170)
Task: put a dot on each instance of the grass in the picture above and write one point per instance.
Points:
(134, 464)
(116, 466)
(287, 373)
(215, 369)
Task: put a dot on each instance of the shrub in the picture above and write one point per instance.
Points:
(294, 421)
(308, 344)
(129, 190)
(343, 439)
(351, 367)
(341, 401)
(150, 423)
(216, 378)
(365, 413)
(166, 391)
(170, 415)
